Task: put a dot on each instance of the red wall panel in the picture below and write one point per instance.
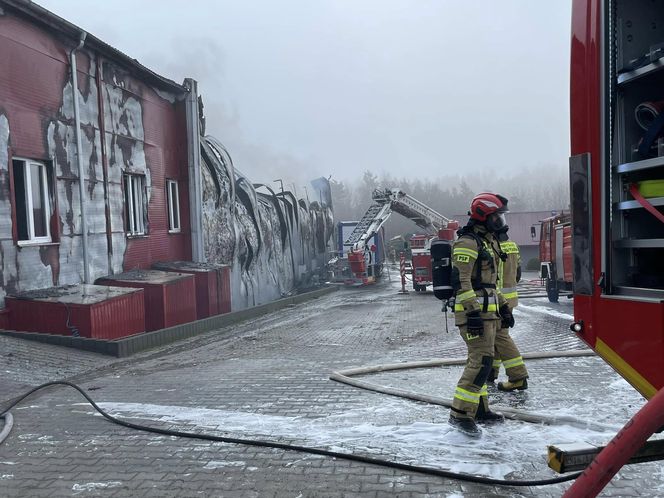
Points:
(168, 301)
(166, 155)
(110, 319)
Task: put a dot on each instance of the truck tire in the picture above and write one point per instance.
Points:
(552, 290)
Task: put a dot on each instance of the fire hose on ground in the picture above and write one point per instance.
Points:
(293, 447)
(595, 477)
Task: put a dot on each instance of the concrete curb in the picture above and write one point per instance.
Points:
(128, 346)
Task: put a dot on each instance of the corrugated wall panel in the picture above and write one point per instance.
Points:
(119, 317)
(180, 302)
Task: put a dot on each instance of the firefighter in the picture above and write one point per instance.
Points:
(506, 352)
(478, 309)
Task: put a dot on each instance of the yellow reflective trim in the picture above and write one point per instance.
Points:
(464, 251)
(514, 362)
(510, 295)
(483, 391)
(497, 363)
(625, 369)
(466, 295)
(465, 395)
(492, 307)
(509, 247)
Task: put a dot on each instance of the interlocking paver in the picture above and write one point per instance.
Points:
(267, 378)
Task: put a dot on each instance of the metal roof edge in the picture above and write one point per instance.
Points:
(45, 17)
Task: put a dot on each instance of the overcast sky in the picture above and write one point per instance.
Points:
(415, 88)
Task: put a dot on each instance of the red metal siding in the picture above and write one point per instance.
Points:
(119, 317)
(111, 319)
(34, 69)
(166, 304)
(180, 302)
(225, 285)
(4, 319)
(212, 291)
(166, 155)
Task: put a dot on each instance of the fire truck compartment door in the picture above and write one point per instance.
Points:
(560, 266)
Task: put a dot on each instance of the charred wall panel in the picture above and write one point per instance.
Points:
(145, 136)
(142, 129)
(271, 242)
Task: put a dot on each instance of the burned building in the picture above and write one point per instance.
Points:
(153, 189)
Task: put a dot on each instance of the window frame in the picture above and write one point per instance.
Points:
(29, 196)
(134, 204)
(171, 199)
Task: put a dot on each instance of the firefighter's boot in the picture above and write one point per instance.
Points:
(484, 415)
(465, 425)
(513, 385)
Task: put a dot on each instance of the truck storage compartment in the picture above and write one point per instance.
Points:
(634, 110)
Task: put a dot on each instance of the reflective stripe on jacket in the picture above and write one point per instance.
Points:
(507, 272)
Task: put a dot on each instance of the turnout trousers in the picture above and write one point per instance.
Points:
(471, 388)
(508, 354)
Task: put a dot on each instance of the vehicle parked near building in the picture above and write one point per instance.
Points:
(556, 255)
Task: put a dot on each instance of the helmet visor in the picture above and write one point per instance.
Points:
(497, 222)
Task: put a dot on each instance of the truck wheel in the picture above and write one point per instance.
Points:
(552, 290)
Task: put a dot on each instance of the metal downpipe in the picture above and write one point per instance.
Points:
(79, 150)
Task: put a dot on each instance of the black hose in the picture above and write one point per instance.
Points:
(292, 447)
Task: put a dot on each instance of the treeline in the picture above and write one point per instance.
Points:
(541, 188)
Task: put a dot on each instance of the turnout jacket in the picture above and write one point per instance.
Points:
(475, 270)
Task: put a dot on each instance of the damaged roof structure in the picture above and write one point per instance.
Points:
(154, 188)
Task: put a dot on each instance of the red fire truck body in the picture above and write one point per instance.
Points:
(420, 248)
(555, 251)
(618, 244)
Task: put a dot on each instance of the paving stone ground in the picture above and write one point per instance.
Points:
(268, 378)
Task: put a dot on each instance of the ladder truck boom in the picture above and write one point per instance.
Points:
(385, 201)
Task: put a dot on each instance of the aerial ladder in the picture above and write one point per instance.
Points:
(385, 202)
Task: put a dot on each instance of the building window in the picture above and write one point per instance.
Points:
(134, 192)
(32, 184)
(173, 206)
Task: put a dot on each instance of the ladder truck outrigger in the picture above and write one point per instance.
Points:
(385, 202)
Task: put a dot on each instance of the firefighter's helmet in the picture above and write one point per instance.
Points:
(486, 204)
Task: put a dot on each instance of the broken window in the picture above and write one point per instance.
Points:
(173, 206)
(32, 184)
(134, 192)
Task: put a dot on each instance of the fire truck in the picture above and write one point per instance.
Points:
(385, 202)
(420, 249)
(555, 254)
(617, 194)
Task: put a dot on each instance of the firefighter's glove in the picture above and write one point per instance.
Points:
(506, 317)
(475, 323)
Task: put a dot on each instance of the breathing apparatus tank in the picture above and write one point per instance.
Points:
(441, 269)
(441, 263)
